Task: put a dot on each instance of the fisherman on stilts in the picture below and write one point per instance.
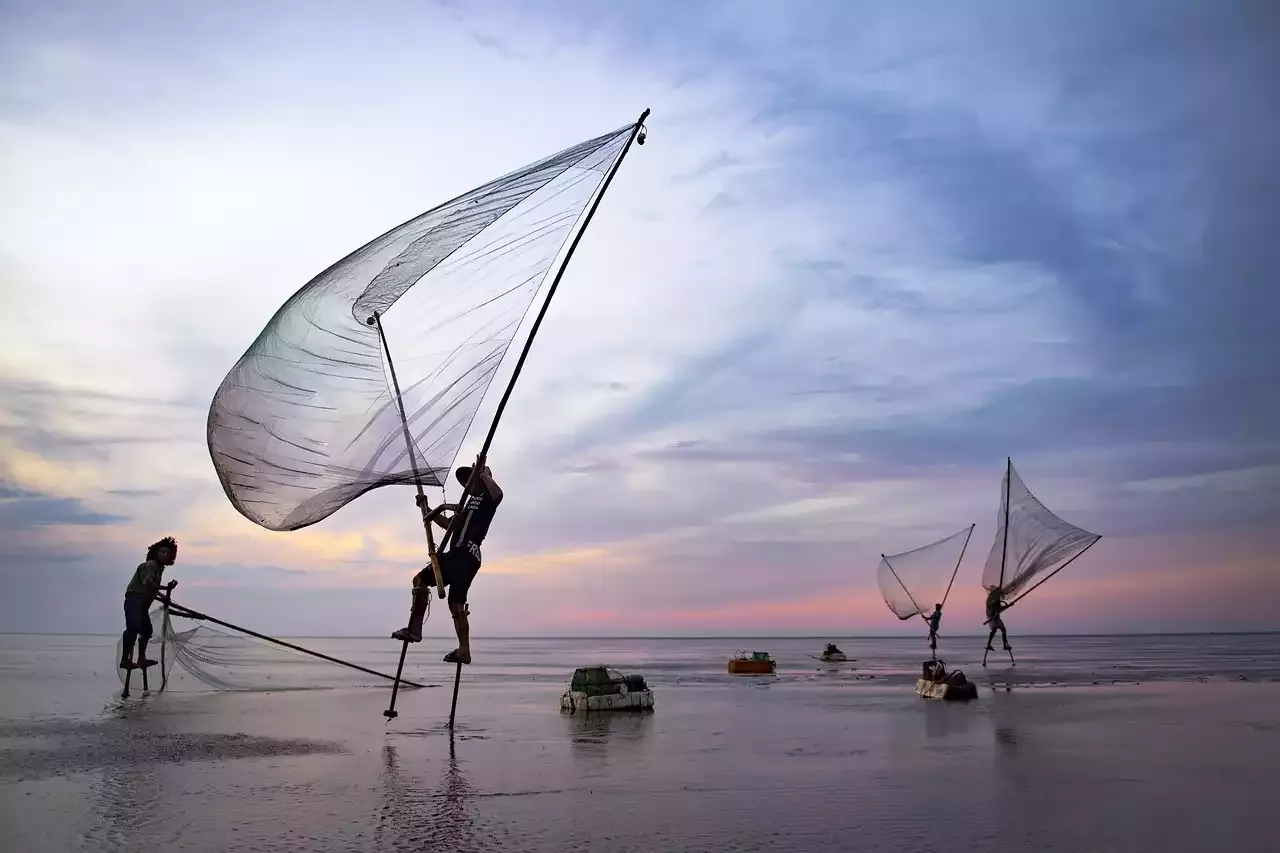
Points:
(996, 606)
(144, 588)
(935, 620)
(459, 557)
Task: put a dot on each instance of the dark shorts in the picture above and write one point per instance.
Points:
(136, 617)
(997, 624)
(459, 566)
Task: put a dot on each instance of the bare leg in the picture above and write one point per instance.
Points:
(463, 629)
(143, 661)
(417, 612)
(126, 656)
(992, 636)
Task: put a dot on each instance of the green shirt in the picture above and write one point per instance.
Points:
(146, 579)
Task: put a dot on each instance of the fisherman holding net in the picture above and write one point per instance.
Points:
(459, 557)
(996, 606)
(935, 620)
(144, 588)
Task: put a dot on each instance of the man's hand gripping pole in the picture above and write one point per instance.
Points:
(431, 541)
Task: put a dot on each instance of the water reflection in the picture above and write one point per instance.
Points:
(414, 817)
(946, 719)
(596, 734)
(1005, 715)
(131, 793)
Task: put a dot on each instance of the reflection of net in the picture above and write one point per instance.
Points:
(221, 660)
(306, 422)
(1038, 540)
(914, 581)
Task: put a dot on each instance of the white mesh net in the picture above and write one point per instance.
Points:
(914, 581)
(1038, 541)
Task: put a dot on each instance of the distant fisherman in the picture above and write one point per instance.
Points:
(459, 561)
(143, 589)
(935, 619)
(996, 606)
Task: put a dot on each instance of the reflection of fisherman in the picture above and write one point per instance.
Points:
(935, 619)
(995, 606)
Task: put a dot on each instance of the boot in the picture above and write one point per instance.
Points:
(417, 612)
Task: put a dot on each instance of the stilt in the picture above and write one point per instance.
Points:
(391, 712)
(128, 676)
(146, 688)
(1009, 649)
(164, 634)
(453, 708)
(985, 652)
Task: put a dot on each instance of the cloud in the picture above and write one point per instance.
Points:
(866, 254)
(21, 509)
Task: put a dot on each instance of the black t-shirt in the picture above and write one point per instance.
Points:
(475, 513)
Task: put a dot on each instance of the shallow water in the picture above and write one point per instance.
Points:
(818, 758)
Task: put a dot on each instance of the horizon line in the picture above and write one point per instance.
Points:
(698, 636)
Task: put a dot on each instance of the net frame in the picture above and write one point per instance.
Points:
(1040, 542)
(306, 421)
(914, 568)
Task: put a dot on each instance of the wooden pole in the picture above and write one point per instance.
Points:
(453, 708)
(511, 383)
(555, 283)
(192, 614)
(164, 633)
(391, 713)
(376, 322)
(1055, 571)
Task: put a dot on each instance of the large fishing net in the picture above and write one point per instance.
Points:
(1038, 541)
(914, 581)
(306, 421)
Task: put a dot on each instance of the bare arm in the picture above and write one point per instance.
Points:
(495, 491)
(436, 515)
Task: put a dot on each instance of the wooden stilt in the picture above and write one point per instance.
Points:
(453, 708)
(391, 713)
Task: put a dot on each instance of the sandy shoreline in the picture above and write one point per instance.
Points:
(718, 767)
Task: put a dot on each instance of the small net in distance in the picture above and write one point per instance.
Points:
(914, 581)
(1038, 540)
(306, 421)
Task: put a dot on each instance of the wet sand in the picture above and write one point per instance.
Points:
(817, 759)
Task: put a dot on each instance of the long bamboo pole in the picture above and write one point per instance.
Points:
(636, 130)
(193, 614)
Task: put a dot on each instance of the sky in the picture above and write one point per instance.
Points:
(868, 252)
